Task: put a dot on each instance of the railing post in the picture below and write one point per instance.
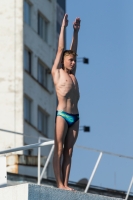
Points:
(129, 189)
(39, 165)
(47, 161)
(93, 172)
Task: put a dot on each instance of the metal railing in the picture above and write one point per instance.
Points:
(51, 142)
(129, 189)
(97, 163)
(40, 176)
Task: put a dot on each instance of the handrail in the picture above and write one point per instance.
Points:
(4, 130)
(51, 142)
(47, 161)
(77, 146)
(45, 166)
(30, 146)
(131, 183)
(93, 172)
(105, 152)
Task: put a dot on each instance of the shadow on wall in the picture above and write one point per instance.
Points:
(82, 181)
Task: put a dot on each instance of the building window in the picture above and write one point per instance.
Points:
(42, 74)
(27, 12)
(27, 60)
(27, 109)
(42, 27)
(42, 121)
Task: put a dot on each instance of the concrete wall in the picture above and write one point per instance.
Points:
(16, 82)
(11, 72)
(24, 165)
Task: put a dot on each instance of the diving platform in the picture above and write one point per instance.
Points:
(30, 191)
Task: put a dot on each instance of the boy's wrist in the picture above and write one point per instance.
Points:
(76, 31)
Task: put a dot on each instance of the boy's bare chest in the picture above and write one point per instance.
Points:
(68, 81)
(67, 85)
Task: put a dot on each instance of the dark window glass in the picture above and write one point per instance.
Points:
(42, 121)
(42, 27)
(27, 60)
(27, 109)
(27, 13)
(62, 4)
(42, 75)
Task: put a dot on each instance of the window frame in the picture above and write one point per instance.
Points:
(29, 68)
(42, 29)
(45, 71)
(45, 114)
(27, 2)
(29, 100)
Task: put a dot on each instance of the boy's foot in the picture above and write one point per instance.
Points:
(62, 187)
(65, 188)
(68, 188)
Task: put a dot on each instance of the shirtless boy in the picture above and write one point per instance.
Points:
(67, 117)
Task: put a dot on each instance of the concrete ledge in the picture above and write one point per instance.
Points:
(35, 192)
(18, 192)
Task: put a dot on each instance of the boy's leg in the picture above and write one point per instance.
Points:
(60, 133)
(68, 150)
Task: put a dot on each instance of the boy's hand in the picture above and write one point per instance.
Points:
(65, 20)
(76, 24)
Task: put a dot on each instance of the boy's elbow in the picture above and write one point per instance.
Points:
(60, 49)
(52, 71)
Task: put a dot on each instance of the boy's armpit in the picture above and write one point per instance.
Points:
(56, 75)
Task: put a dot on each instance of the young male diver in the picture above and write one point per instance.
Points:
(67, 115)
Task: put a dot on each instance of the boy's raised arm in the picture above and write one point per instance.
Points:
(61, 44)
(74, 44)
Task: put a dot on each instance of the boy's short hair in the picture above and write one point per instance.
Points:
(68, 52)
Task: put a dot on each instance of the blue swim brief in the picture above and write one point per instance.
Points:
(69, 118)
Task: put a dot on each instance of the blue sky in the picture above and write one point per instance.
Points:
(106, 89)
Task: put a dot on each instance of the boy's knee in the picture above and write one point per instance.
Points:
(68, 152)
(58, 151)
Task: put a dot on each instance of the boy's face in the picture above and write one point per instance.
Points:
(69, 62)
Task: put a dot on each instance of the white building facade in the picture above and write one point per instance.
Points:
(28, 41)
